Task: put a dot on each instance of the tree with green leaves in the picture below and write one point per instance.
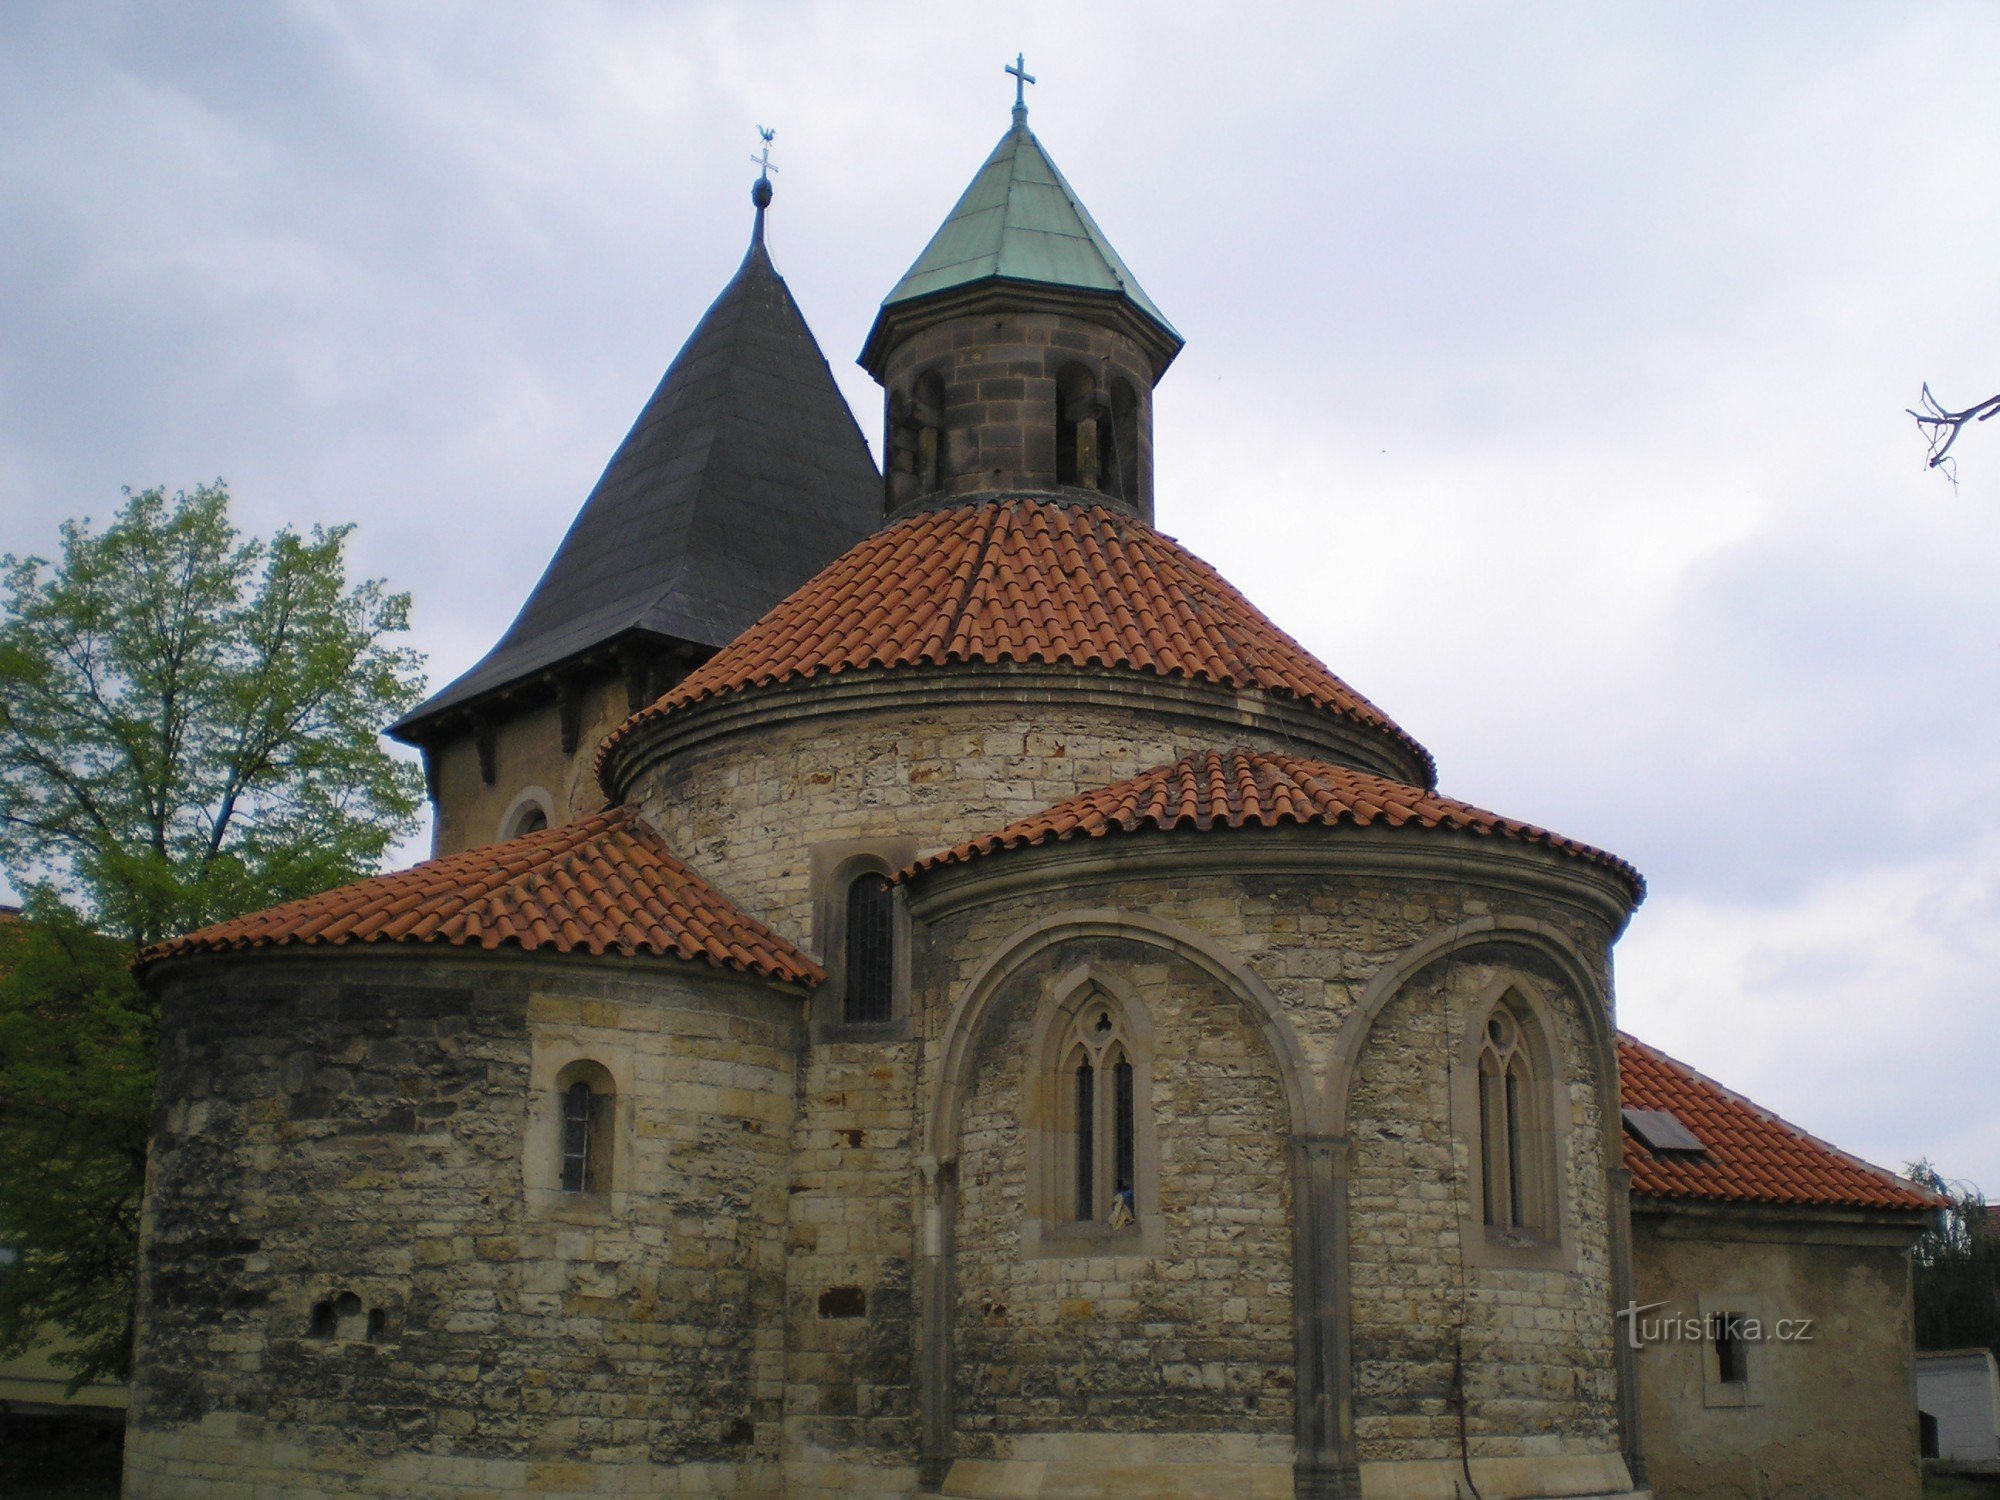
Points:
(1955, 1269)
(188, 731)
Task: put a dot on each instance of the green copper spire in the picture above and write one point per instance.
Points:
(1020, 221)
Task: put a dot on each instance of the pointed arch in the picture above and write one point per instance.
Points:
(958, 1044)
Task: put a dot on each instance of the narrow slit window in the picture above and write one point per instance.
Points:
(1122, 1185)
(1086, 1141)
(871, 933)
(578, 1108)
(1515, 1134)
(1731, 1363)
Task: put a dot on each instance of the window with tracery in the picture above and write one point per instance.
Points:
(1095, 1084)
(1517, 1175)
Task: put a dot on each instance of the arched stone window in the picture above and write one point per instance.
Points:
(1516, 1155)
(585, 1140)
(869, 974)
(1089, 1096)
(528, 813)
(1121, 460)
(916, 440)
(1079, 434)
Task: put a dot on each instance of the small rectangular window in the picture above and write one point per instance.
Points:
(1731, 1350)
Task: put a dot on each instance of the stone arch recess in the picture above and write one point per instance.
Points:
(1305, 1110)
(1555, 945)
(1304, 1104)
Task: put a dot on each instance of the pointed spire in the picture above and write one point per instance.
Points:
(743, 476)
(1018, 222)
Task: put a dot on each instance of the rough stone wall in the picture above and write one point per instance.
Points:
(339, 1125)
(999, 372)
(746, 809)
(527, 752)
(850, 1394)
(1832, 1415)
(1197, 1338)
(1537, 1343)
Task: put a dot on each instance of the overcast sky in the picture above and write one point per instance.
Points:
(1545, 375)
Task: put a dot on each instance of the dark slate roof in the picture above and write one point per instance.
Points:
(743, 477)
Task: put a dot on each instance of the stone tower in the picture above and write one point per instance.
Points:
(743, 476)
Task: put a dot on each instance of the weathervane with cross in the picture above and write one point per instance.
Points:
(760, 190)
(1022, 77)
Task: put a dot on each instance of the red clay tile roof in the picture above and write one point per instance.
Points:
(1021, 580)
(1260, 789)
(1752, 1156)
(602, 884)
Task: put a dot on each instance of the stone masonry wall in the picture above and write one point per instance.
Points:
(527, 752)
(1197, 1338)
(746, 809)
(999, 372)
(339, 1126)
(1538, 1344)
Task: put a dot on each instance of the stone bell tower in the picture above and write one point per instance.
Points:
(1019, 353)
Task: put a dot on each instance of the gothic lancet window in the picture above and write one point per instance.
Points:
(1121, 461)
(1099, 1097)
(1516, 1174)
(870, 973)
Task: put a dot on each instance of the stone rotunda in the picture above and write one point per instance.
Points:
(925, 989)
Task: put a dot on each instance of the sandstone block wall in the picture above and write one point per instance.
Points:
(1196, 1338)
(998, 372)
(746, 809)
(1535, 1350)
(1538, 1354)
(527, 754)
(356, 1129)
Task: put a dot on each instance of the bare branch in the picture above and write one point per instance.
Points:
(1941, 427)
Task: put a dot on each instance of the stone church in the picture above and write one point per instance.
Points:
(925, 989)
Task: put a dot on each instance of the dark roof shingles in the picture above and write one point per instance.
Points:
(744, 474)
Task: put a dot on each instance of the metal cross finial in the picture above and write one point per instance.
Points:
(1022, 77)
(764, 159)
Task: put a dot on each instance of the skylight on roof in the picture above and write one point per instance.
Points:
(1661, 1130)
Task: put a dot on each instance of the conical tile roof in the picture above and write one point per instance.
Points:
(743, 476)
(1223, 789)
(1022, 579)
(600, 885)
(1020, 221)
